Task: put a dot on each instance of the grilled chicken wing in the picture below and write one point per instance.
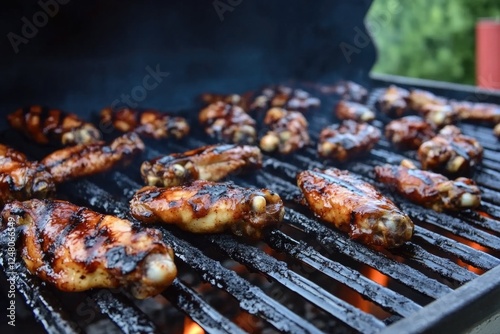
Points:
(348, 90)
(481, 112)
(355, 207)
(429, 189)
(21, 179)
(284, 97)
(354, 111)
(240, 100)
(211, 163)
(149, 123)
(77, 249)
(347, 140)
(409, 132)
(392, 101)
(228, 123)
(287, 131)
(209, 207)
(450, 152)
(46, 126)
(439, 115)
(418, 98)
(83, 160)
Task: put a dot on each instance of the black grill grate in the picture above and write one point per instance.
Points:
(424, 270)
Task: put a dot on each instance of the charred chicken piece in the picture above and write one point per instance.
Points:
(77, 249)
(418, 98)
(348, 90)
(54, 126)
(240, 100)
(347, 140)
(21, 179)
(480, 112)
(284, 97)
(354, 111)
(149, 123)
(83, 160)
(450, 152)
(439, 115)
(228, 123)
(355, 207)
(287, 131)
(496, 130)
(409, 132)
(392, 102)
(430, 189)
(209, 207)
(211, 163)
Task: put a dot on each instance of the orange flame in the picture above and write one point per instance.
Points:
(191, 327)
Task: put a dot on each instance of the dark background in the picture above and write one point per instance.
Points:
(91, 52)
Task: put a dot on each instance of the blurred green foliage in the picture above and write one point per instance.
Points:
(432, 39)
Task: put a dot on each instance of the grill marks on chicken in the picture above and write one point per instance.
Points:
(439, 115)
(409, 132)
(355, 207)
(77, 249)
(418, 99)
(209, 207)
(392, 101)
(83, 160)
(212, 163)
(149, 123)
(228, 123)
(54, 126)
(354, 111)
(450, 152)
(287, 131)
(22, 179)
(480, 112)
(430, 189)
(347, 140)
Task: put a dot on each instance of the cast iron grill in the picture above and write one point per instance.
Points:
(309, 264)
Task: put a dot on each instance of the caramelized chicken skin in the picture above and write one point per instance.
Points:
(77, 249)
(347, 140)
(450, 152)
(418, 98)
(228, 123)
(409, 132)
(211, 163)
(149, 123)
(439, 115)
(481, 112)
(284, 97)
(209, 207)
(430, 189)
(21, 179)
(287, 131)
(83, 160)
(392, 101)
(355, 207)
(355, 111)
(348, 90)
(46, 126)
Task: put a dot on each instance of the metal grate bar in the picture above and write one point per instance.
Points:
(192, 304)
(211, 271)
(388, 299)
(278, 270)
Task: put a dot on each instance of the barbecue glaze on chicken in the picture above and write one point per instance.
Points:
(480, 112)
(228, 123)
(77, 249)
(284, 97)
(287, 131)
(209, 207)
(418, 98)
(355, 207)
(347, 90)
(392, 102)
(53, 126)
(439, 115)
(409, 132)
(83, 160)
(355, 111)
(148, 123)
(450, 152)
(21, 179)
(212, 163)
(347, 140)
(430, 189)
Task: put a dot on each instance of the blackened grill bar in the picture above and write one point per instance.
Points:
(416, 273)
